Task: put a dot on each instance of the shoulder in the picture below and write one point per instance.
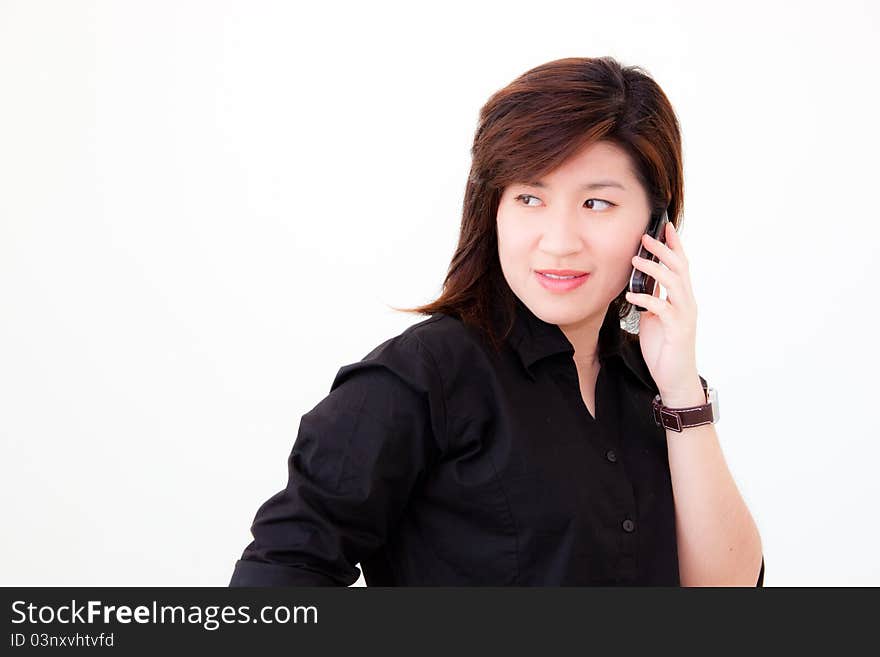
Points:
(432, 353)
(434, 342)
(423, 360)
(400, 381)
(448, 339)
(437, 330)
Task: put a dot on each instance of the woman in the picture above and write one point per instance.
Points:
(509, 438)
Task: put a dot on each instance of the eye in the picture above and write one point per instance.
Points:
(529, 196)
(525, 196)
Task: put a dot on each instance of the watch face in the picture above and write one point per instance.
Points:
(713, 399)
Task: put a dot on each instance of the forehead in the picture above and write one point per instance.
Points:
(598, 160)
(595, 163)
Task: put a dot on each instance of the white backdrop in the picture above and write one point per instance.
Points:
(206, 208)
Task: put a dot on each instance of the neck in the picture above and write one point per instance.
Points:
(584, 337)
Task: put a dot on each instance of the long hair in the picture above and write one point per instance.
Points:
(526, 130)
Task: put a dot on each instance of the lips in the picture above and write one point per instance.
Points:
(561, 284)
(562, 272)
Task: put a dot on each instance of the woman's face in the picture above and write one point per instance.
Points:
(560, 225)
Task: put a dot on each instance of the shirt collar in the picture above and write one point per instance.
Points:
(534, 340)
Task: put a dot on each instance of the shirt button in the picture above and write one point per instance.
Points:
(628, 525)
(611, 456)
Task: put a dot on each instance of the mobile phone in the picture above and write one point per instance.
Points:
(640, 282)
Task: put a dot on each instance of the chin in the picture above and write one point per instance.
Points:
(562, 314)
(566, 311)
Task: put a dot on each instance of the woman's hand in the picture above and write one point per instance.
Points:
(668, 328)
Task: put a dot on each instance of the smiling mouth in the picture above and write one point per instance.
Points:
(561, 283)
(555, 277)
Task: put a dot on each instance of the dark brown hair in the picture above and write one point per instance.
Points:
(525, 131)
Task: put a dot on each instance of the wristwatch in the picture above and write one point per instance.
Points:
(692, 416)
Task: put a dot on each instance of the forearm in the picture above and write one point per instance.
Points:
(718, 541)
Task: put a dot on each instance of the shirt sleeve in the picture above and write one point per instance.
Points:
(357, 457)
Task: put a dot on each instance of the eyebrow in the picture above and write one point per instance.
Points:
(599, 184)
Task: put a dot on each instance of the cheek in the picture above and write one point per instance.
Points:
(623, 254)
(624, 246)
(617, 261)
(513, 244)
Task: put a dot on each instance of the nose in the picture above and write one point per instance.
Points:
(563, 235)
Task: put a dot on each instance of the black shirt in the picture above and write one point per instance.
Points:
(433, 461)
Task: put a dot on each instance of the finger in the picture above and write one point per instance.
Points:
(676, 291)
(657, 306)
(673, 239)
(665, 252)
(659, 273)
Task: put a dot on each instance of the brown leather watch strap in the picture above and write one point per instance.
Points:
(677, 419)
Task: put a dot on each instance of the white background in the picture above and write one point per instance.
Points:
(206, 209)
